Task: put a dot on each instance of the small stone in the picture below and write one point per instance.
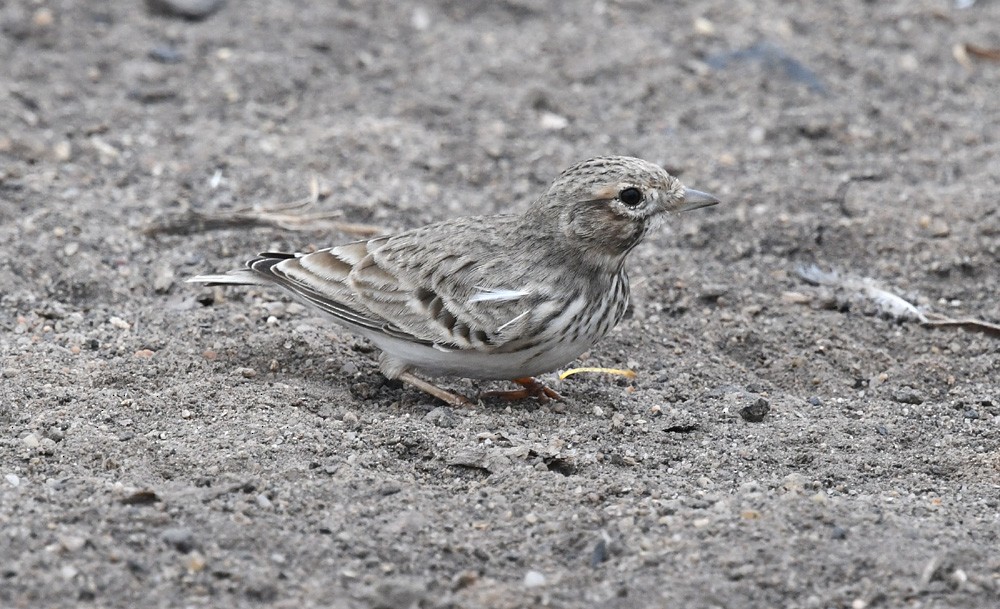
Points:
(185, 414)
(907, 395)
(970, 414)
(464, 579)
(119, 323)
(599, 554)
(62, 151)
(145, 353)
(534, 579)
(72, 543)
(755, 413)
(349, 369)
(443, 417)
(350, 419)
(31, 441)
(247, 373)
(550, 121)
(264, 502)
(192, 10)
(420, 19)
(12, 479)
(181, 538)
(43, 17)
(209, 355)
(195, 562)
(166, 54)
(815, 401)
(275, 309)
(704, 26)
(794, 483)
(163, 279)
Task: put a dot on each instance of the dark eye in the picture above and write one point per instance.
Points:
(630, 196)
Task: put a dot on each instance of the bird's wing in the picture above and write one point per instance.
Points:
(437, 285)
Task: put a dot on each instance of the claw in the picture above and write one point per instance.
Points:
(531, 388)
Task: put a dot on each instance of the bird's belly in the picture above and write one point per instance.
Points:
(481, 365)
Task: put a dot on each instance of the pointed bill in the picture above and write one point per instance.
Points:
(696, 199)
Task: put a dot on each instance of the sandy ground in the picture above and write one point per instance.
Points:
(166, 445)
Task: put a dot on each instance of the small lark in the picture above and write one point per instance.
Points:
(508, 296)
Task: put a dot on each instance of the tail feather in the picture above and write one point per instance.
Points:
(257, 272)
(237, 277)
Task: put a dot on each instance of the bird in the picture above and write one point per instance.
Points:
(507, 296)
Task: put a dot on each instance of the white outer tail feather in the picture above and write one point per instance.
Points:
(237, 277)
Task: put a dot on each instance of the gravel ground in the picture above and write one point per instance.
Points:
(783, 444)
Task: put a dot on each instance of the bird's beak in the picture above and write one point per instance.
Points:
(696, 199)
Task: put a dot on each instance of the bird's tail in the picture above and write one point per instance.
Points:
(237, 277)
(251, 275)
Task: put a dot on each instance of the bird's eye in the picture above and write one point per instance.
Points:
(630, 196)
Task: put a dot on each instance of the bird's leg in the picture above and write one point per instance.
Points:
(532, 388)
(448, 397)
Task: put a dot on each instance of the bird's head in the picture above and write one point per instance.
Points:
(607, 204)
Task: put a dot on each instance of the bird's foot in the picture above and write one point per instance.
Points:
(452, 399)
(531, 388)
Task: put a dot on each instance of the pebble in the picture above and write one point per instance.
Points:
(119, 323)
(195, 562)
(62, 151)
(907, 395)
(420, 19)
(534, 579)
(193, 10)
(72, 543)
(755, 413)
(350, 419)
(443, 417)
(794, 483)
(599, 554)
(163, 278)
(617, 420)
(181, 538)
(550, 121)
(165, 54)
(349, 369)
(275, 309)
(31, 441)
(248, 373)
(12, 479)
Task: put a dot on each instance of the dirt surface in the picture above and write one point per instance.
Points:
(166, 445)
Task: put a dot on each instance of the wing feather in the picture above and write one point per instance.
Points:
(448, 285)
